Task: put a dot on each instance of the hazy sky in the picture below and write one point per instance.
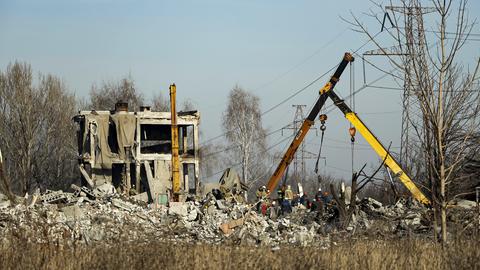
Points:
(272, 48)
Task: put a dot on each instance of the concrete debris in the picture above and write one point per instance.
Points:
(4, 204)
(31, 200)
(87, 216)
(227, 228)
(141, 197)
(465, 204)
(178, 208)
(104, 190)
(54, 196)
(374, 203)
(123, 204)
(72, 213)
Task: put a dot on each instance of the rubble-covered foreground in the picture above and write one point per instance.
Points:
(105, 217)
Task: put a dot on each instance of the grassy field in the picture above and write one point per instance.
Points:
(365, 254)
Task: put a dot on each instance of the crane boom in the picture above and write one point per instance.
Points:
(307, 123)
(378, 147)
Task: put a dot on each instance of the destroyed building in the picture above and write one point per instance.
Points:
(133, 151)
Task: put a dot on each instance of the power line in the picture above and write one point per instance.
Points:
(446, 32)
(385, 112)
(274, 162)
(344, 142)
(413, 91)
(238, 145)
(342, 147)
(332, 107)
(266, 150)
(340, 169)
(279, 104)
(298, 91)
(303, 61)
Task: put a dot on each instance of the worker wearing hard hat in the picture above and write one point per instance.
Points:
(319, 194)
(287, 202)
(261, 195)
(289, 193)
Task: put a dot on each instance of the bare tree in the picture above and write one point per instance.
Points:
(347, 210)
(210, 160)
(109, 93)
(56, 154)
(5, 181)
(187, 105)
(445, 111)
(314, 182)
(242, 123)
(160, 103)
(36, 131)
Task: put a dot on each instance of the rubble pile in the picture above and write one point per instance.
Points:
(403, 216)
(101, 215)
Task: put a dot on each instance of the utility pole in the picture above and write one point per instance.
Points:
(299, 169)
(404, 131)
(409, 13)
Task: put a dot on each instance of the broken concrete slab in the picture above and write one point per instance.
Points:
(54, 196)
(465, 204)
(3, 197)
(123, 204)
(348, 194)
(73, 213)
(85, 175)
(178, 208)
(141, 197)
(106, 189)
(4, 204)
(192, 214)
(374, 203)
(227, 228)
(219, 204)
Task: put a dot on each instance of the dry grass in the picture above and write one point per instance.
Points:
(367, 254)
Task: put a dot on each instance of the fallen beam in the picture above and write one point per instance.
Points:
(85, 175)
(150, 181)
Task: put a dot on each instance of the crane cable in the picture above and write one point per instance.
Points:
(323, 119)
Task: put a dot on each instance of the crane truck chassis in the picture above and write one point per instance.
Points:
(325, 93)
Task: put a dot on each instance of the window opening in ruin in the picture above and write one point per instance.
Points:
(155, 139)
(186, 140)
(112, 138)
(80, 138)
(189, 177)
(117, 174)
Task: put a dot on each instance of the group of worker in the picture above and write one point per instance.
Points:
(286, 200)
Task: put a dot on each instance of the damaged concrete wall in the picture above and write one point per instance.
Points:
(132, 150)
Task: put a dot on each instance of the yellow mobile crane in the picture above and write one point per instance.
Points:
(325, 92)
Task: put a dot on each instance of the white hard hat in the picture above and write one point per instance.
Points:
(319, 189)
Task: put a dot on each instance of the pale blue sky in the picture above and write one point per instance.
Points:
(272, 48)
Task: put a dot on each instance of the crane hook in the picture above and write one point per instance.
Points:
(352, 132)
(323, 119)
